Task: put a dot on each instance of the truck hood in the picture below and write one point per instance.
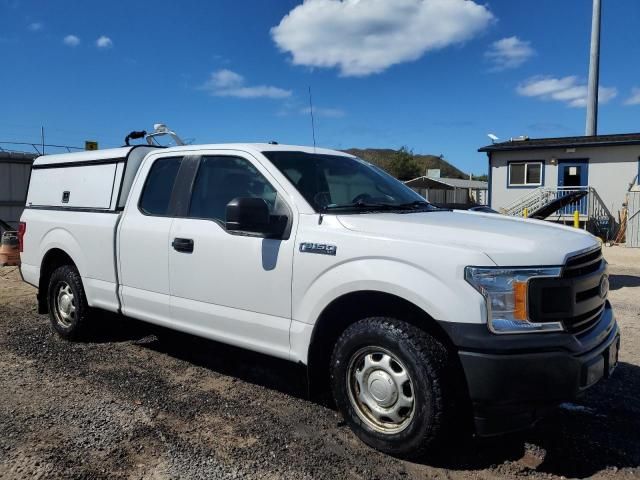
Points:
(508, 241)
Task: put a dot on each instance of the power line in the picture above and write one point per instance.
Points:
(35, 145)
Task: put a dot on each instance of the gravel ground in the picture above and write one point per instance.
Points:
(126, 405)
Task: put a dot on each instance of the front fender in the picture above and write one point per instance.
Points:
(447, 299)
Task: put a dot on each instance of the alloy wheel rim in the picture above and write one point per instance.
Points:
(381, 390)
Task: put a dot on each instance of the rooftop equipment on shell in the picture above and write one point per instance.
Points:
(159, 129)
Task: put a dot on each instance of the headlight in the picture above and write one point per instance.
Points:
(506, 292)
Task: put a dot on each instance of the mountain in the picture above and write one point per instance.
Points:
(381, 156)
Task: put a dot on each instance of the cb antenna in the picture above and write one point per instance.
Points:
(313, 125)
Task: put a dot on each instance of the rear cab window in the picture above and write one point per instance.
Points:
(158, 188)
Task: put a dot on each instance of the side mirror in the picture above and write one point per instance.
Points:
(251, 215)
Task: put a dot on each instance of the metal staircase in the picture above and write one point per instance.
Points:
(531, 201)
(594, 215)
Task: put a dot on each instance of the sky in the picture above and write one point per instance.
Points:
(434, 75)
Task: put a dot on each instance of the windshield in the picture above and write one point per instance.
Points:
(332, 182)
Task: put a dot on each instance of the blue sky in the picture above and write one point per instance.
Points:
(434, 75)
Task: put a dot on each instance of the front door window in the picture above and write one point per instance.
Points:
(572, 175)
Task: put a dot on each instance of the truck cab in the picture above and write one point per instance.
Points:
(415, 319)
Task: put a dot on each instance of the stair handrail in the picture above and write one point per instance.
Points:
(530, 199)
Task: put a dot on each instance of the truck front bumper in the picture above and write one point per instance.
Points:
(513, 380)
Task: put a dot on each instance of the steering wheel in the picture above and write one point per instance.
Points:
(363, 197)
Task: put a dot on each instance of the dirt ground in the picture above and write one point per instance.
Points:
(126, 405)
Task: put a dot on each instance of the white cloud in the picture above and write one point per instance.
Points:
(226, 83)
(362, 37)
(226, 79)
(634, 99)
(568, 90)
(510, 52)
(104, 42)
(35, 26)
(324, 112)
(71, 41)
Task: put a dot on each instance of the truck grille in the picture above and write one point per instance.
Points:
(583, 264)
(574, 298)
(583, 323)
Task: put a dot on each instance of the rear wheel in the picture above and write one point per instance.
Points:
(68, 308)
(391, 381)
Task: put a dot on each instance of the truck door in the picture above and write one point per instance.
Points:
(227, 286)
(143, 242)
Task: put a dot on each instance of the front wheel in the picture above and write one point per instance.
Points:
(391, 381)
(68, 308)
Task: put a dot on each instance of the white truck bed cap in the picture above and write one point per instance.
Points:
(97, 180)
(84, 156)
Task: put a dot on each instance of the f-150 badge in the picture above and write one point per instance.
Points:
(321, 248)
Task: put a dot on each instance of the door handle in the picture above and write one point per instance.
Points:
(182, 245)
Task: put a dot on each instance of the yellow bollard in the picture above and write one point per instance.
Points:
(576, 219)
(525, 213)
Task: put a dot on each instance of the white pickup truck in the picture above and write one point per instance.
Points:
(417, 319)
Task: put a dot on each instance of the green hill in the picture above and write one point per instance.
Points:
(381, 157)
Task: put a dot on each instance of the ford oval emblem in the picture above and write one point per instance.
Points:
(604, 286)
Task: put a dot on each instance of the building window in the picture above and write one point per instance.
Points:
(525, 174)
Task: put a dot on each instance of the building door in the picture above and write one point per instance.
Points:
(573, 175)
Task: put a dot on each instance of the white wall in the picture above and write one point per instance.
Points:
(611, 169)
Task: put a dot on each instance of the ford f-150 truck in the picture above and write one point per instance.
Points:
(415, 318)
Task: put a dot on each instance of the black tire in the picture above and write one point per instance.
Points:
(428, 363)
(68, 313)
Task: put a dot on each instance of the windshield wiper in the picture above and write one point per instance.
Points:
(359, 206)
(415, 204)
(376, 206)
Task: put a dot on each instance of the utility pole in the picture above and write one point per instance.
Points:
(594, 72)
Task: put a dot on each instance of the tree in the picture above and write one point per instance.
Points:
(483, 178)
(403, 165)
